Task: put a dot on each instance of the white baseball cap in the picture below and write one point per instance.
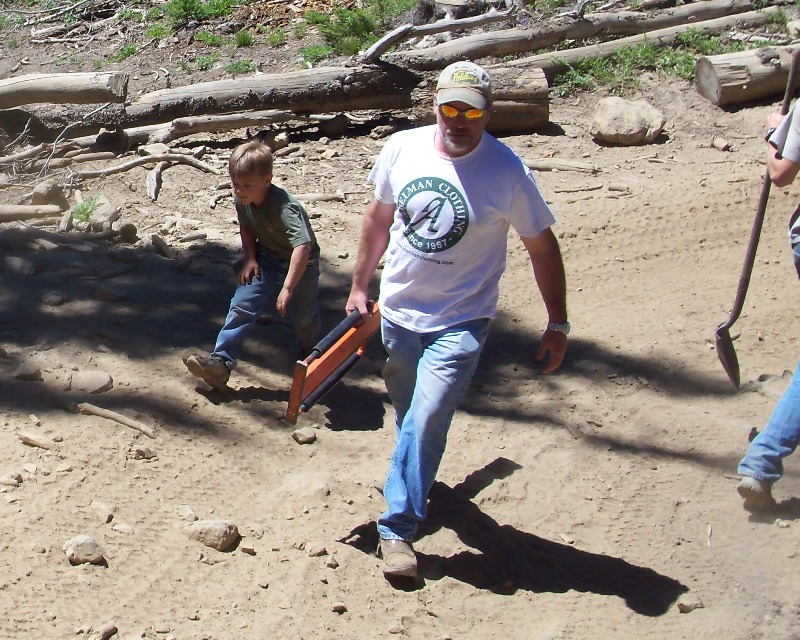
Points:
(464, 82)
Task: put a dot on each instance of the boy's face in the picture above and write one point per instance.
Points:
(251, 188)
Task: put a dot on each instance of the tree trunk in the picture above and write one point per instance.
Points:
(325, 89)
(732, 78)
(73, 88)
(558, 61)
(514, 41)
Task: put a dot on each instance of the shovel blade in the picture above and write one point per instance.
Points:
(727, 354)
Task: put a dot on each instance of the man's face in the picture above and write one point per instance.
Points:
(458, 135)
(251, 188)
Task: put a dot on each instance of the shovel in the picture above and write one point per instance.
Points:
(724, 342)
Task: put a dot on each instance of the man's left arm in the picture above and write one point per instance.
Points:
(548, 268)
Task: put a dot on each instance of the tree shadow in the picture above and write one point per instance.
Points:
(506, 559)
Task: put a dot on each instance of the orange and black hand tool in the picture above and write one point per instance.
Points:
(330, 360)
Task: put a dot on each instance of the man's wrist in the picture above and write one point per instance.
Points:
(561, 327)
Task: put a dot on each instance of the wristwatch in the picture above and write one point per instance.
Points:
(562, 327)
(769, 133)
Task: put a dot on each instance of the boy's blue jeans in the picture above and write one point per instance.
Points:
(764, 458)
(260, 296)
(426, 375)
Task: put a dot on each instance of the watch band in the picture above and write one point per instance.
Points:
(562, 327)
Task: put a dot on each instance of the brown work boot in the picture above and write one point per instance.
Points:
(399, 559)
(757, 494)
(211, 369)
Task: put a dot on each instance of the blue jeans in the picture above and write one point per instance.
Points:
(426, 375)
(251, 300)
(764, 458)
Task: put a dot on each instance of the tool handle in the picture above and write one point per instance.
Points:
(758, 222)
(337, 332)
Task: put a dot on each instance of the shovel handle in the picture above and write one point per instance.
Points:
(758, 222)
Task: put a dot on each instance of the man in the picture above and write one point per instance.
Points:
(762, 465)
(445, 196)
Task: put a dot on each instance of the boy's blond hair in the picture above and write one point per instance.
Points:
(250, 158)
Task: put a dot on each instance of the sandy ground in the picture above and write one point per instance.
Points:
(587, 503)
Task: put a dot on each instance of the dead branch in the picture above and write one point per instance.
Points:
(73, 88)
(408, 31)
(137, 162)
(153, 180)
(14, 212)
(554, 164)
(92, 410)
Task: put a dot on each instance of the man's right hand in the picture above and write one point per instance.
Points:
(357, 301)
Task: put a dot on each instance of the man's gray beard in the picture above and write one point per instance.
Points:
(454, 147)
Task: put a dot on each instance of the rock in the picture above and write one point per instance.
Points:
(316, 551)
(328, 154)
(332, 563)
(106, 631)
(186, 513)
(793, 28)
(720, 143)
(339, 607)
(83, 549)
(122, 527)
(54, 299)
(4, 354)
(93, 381)
(37, 548)
(625, 122)
(29, 468)
(688, 605)
(105, 512)
(29, 371)
(142, 453)
(263, 583)
(108, 293)
(217, 534)
(19, 266)
(304, 435)
(48, 192)
(248, 549)
(36, 440)
(128, 233)
(11, 480)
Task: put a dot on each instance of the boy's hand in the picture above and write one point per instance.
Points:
(283, 301)
(249, 270)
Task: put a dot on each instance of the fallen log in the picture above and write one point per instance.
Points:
(320, 90)
(557, 62)
(733, 78)
(14, 212)
(64, 88)
(515, 41)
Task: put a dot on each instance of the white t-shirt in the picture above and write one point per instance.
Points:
(447, 245)
(786, 139)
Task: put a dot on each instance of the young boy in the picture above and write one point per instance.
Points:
(281, 264)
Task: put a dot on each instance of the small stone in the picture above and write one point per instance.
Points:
(263, 583)
(217, 534)
(316, 551)
(689, 605)
(143, 453)
(28, 371)
(720, 144)
(91, 381)
(122, 527)
(37, 548)
(332, 563)
(54, 299)
(187, 513)
(36, 440)
(105, 512)
(338, 607)
(248, 549)
(396, 629)
(344, 255)
(83, 549)
(304, 435)
(30, 468)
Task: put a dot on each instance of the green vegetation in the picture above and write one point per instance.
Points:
(157, 31)
(238, 67)
(243, 39)
(97, 64)
(3, 22)
(181, 12)
(125, 51)
(621, 71)
(346, 31)
(85, 209)
(316, 52)
(299, 30)
(211, 39)
(204, 63)
(277, 37)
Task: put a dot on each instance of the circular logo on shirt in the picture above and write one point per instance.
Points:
(435, 214)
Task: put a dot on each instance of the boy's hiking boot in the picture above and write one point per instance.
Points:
(211, 369)
(757, 494)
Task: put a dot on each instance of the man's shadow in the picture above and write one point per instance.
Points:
(506, 559)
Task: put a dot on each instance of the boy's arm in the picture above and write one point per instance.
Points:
(250, 267)
(297, 266)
